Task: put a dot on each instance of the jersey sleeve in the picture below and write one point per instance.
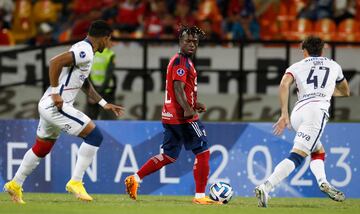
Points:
(340, 76)
(82, 54)
(179, 73)
(291, 71)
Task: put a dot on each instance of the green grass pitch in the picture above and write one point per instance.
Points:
(38, 203)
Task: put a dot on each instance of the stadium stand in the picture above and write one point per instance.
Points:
(269, 20)
(325, 29)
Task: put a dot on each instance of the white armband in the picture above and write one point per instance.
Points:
(56, 90)
(102, 102)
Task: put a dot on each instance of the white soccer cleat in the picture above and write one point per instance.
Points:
(261, 195)
(332, 192)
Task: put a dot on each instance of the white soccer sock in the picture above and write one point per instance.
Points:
(199, 195)
(281, 171)
(28, 164)
(137, 178)
(85, 156)
(318, 169)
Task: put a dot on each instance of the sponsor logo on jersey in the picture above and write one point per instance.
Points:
(318, 94)
(303, 135)
(82, 54)
(167, 114)
(66, 128)
(180, 72)
(82, 77)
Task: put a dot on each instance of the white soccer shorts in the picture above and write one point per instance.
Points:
(308, 119)
(53, 121)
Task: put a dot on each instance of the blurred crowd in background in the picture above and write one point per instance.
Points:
(42, 22)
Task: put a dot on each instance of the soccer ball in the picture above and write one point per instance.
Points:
(221, 191)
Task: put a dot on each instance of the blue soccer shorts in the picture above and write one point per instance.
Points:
(192, 135)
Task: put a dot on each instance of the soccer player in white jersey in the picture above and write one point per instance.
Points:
(68, 74)
(317, 79)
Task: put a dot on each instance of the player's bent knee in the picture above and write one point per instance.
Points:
(94, 138)
(296, 159)
(171, 151)
(172, 154)
(201, 149)
(42, 147)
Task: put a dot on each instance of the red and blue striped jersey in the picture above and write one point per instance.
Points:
(180, 68)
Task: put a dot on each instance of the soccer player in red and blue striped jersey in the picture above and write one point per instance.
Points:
(180, 119)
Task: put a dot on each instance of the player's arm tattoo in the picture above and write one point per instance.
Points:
(56, 64)
(90, 91)
(180, 95)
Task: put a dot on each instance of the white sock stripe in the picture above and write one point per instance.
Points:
(170, 158)
(197, 132)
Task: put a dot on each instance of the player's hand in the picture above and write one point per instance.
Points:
(58, 101)
(199, 107)
(117, 109)
(281, 124)
(189, 113)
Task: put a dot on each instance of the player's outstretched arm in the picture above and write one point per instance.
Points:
(90, 91)
(342, 89)
(180, 95)
(284, 120)
(56, 64)
(116, 109)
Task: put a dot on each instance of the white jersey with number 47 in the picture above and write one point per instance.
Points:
(316, 77)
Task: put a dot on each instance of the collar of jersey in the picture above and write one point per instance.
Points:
(181, 53)
(88, 41)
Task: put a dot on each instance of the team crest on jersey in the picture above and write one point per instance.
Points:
(82, 54)
(180, 72)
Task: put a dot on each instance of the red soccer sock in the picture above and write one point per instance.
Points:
(320, 156)
(201, 171)
(154, 164)
(42, 147)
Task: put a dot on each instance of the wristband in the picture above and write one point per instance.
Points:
(102, 102)
(55, 90)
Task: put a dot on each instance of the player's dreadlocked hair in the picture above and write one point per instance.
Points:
(193, 30)
(313, 45)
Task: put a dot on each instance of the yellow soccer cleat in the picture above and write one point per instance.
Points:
(77, 188)
(131, 186)
(15, 191)
(205, 201)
